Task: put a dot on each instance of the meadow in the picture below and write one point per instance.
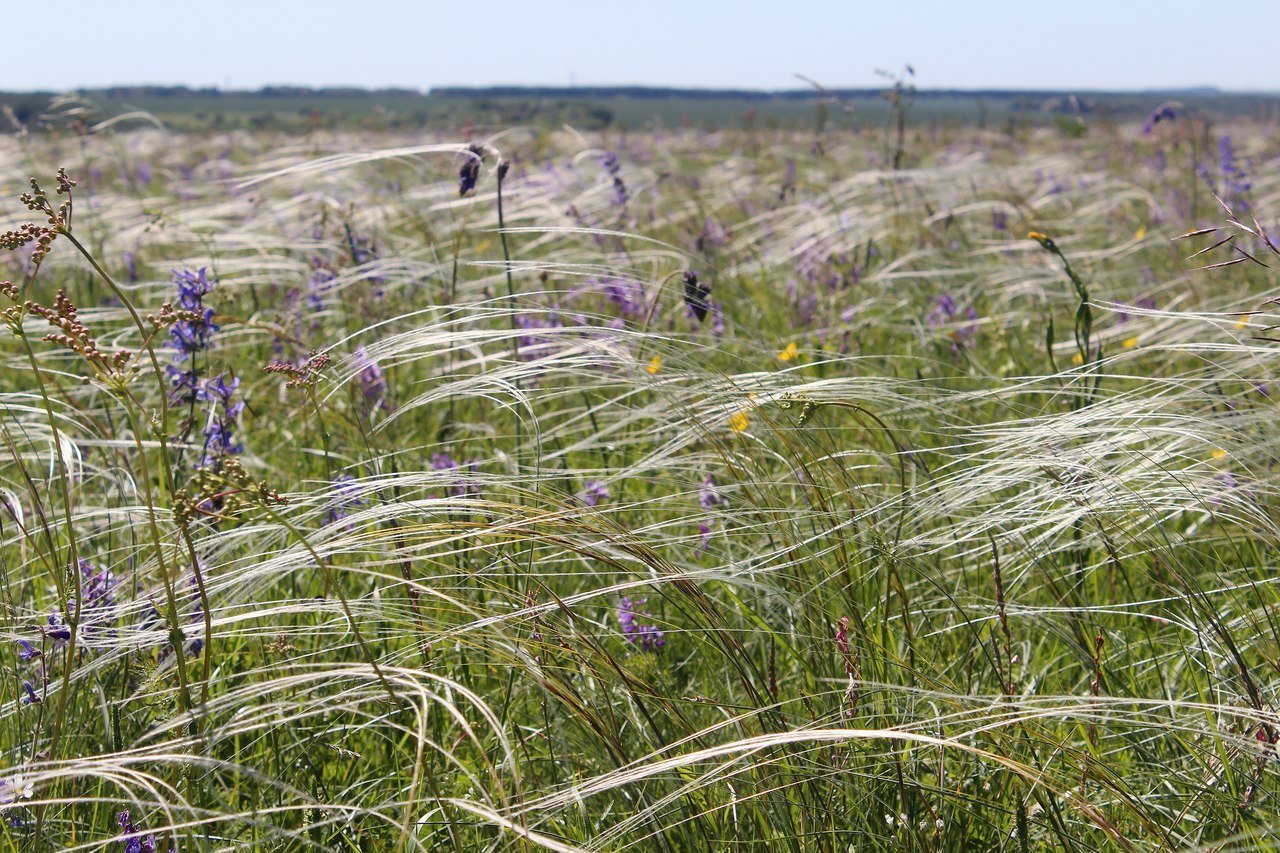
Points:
(668, 490)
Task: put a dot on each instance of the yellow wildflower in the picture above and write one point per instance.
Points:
(1077, 359)
(655, 364)
(1037, 236)
(1129, 343)
(1218, 453)
(789, 352)
(738, 422)
(1242, 322)
(1140, 233)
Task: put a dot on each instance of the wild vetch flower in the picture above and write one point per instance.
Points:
(134, 841)
(945, 312)
(460, 486)
(704, 538)
(1235, 185)
(319, 284)
(532, 347)
(346, 496)
(609, 162)
(221, 421)
(1145, 303)
(56, 628)
(709, 496)
(191, 334)
(627, 295)
(594, 492)
(1166, 112)
(647, 638)
(372, 381)
(97, 599)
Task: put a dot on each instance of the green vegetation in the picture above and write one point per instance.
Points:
(740, 491)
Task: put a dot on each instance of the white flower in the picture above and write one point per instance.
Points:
(14, 789)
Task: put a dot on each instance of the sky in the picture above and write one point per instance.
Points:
(1084, 44)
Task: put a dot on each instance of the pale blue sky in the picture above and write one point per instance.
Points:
(1082, 44)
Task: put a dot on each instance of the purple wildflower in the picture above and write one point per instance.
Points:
(31, 698)
(1145, 303)
(709, 496)
(27, 651)
(609, 162)
(131, 266)
(97, 599)
(346, 496)
(594, 492)
(647, 638)
(1166, 112)
(190, 336)
(372, 381)
(704, 538)
(56, 627)
(222, 420)
(627, 295)
(945, 312)
(459, 484)
(1235, 185)
(318, 286)
(134, 841)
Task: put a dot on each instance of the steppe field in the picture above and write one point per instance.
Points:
(751, 489)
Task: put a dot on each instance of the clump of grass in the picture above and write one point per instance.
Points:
(766, 501)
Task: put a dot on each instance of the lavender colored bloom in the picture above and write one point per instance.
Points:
(646, 638)
(319, 284)
(134, 841)
(532, 347)
(56, 627)
(459, 484)
(372, 380)
(97, 599)
(945, 312)
(1166, 112)
(609, 162)
(1235, 185)
(31, 698)
(27, 651)
(222, 419)
(1145, 303)
(627, 295)
(594, 492)
(346, 496)
(191, 336)
(709, 496)
(704, 538)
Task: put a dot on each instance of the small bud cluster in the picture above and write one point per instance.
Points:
(75, 335)
(222, 492)
(58, 219)
(301, 376)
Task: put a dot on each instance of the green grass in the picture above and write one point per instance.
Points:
(1054, 542)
